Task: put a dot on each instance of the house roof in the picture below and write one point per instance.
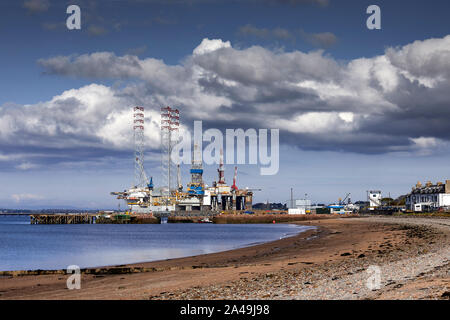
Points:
(429, 190)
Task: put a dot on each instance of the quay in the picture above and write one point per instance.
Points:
(199, 217)
(63, 218)
(118, 218)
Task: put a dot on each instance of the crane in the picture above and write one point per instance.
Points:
(341, 202)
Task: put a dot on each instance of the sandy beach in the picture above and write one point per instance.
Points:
(330, 262)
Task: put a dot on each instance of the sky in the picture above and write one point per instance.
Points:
(357, 109)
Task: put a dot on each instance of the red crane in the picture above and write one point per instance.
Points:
(234, 187)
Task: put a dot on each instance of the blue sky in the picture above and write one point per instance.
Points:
(170, 32)
(323, 68)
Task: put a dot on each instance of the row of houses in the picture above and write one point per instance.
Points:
(429, 197)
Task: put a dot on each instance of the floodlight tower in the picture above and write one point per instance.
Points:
(140, 178)
(170, 124)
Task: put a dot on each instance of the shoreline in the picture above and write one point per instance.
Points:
(103, 269)
(304, 266)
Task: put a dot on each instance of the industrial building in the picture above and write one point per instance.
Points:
(429, 197)
(143, 197)
(374, 199)
(302, 206)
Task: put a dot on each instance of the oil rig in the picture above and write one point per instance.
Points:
(170, 198)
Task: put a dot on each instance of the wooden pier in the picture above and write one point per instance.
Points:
(99, 218)
(62, 218)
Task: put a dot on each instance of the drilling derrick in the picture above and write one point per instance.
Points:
(196, 186)
(140, 178)
(234, 187)
(234, 190)
(170, 123)
(221, 170)
(179, 184)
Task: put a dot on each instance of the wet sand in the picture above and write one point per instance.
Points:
(329, 262)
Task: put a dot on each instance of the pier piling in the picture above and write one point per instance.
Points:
(62, 219)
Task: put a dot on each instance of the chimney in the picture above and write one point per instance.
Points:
(447, 186)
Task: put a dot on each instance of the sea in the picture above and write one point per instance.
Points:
(30, 247)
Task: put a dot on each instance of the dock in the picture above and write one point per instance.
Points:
(63, 218)
(96, 218)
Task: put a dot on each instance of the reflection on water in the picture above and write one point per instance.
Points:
(24, 246)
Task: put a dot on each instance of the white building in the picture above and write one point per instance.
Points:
(304, 204)
(429, 197)
(301, 206)
(297, 211)
(374, 199)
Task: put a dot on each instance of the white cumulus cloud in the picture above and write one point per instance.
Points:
(368, 105)
(208, 45)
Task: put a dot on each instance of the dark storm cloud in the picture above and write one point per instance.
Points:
(265, 94)
(257, 65)
(95, 65)
(427, 114)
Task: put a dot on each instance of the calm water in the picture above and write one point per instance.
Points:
(24, 246)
